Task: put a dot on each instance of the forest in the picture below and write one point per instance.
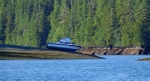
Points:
(98, 23)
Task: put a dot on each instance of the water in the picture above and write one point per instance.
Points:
(113, 68)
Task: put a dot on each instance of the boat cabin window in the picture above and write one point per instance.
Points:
(61, 42)
(67, 42)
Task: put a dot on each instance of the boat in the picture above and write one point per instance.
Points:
(63, 44)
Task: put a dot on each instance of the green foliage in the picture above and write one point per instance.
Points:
(25, 22)
(87, 22)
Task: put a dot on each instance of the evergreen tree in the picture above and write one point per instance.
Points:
(87, 22)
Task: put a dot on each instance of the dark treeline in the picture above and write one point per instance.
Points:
(88, 22)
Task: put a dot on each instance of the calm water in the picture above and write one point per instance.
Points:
(114, 68)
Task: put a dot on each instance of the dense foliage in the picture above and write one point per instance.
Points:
(87, 22)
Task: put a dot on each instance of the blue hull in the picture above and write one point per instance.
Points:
(68, 48)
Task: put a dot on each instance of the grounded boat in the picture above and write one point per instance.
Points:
(64, 44)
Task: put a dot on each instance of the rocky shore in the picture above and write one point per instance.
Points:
(114, 51)
(143, 59)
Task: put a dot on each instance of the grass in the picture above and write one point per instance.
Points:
(50, 55)
(38, 54)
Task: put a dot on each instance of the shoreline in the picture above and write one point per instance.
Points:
(48, 56)
(43, 55)
(8, 52)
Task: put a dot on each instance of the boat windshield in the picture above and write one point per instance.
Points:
(65, 41)
(60, 42)
(68, 43)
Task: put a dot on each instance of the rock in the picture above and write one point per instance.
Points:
(144, 59)
(112, 51)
